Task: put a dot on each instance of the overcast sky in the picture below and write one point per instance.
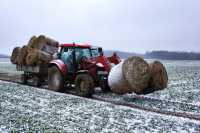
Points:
(127, 25)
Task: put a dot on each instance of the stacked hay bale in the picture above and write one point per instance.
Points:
(136, 75)
(38, 51)
(14, 56)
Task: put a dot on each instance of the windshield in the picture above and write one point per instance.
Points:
(95, 53)
(80, 52)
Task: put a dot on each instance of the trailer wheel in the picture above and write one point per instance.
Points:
(55, 79)
(37, 81)
(84, 85)
(24, 78)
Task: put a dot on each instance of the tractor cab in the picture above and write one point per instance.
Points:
(77, 66)
(72, 55)
(96, 51)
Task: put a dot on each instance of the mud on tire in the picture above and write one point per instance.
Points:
(84, 85)
(55, 79)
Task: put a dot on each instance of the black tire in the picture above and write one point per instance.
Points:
(55, 79)
(84, 85)
(105, 87)
(37, 81)
(24, 78)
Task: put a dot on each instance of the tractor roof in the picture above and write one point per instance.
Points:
(75, 45)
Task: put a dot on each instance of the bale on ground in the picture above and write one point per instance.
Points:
(159, 77)
(22, 55)
(137, 73)
(14, 55)
(132, 75)
(116, 80)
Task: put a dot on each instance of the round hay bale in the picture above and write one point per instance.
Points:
(116, 80)
(44, 57)
(32, 41)
(37, 57)
(50, 49)
(22, 55)
(38, 42)
(51, 42)
(159, 77)
(137, 73)
(32, 58)
(14, 55)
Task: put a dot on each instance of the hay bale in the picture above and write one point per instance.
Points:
(32, 58)
(51, 42)
(32, 41)
(22, 55)
(38, 57)
(44, 57)
(137, 73)
(159, 77)
(116, 80)
(37, 42)
(14, 55)
(132, 75)
(50, 49)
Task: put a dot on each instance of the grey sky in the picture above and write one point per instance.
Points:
(128, 25)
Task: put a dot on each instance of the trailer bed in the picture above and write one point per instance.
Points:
(39, 69)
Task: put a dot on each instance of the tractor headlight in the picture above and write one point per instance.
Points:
(100, 65)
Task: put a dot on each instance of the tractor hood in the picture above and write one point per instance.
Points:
(101, 62)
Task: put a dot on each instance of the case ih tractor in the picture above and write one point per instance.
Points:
(78, 65)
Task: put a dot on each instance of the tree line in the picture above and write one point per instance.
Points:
(173, 55)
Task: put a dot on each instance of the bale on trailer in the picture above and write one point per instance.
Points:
(22, 55)
(38, 42)
(14, 55)
(132, 75)
(159, 77)
(31, 41)
(39, 50)
(51, 42)
(38, 57)
(31, 59)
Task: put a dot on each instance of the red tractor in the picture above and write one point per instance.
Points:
(76, 65)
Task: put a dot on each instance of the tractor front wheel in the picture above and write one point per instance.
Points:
(84, 85)
(105, 87)
(55, 79)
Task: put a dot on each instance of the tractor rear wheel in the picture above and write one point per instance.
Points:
(84, 85)
(55, 79)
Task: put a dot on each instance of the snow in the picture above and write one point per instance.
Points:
(29, 109)
(25, 108)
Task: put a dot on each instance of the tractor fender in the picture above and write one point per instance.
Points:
(61, 66)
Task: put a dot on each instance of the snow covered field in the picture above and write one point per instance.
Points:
(25, 108)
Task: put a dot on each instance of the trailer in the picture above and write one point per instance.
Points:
(33, 75)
